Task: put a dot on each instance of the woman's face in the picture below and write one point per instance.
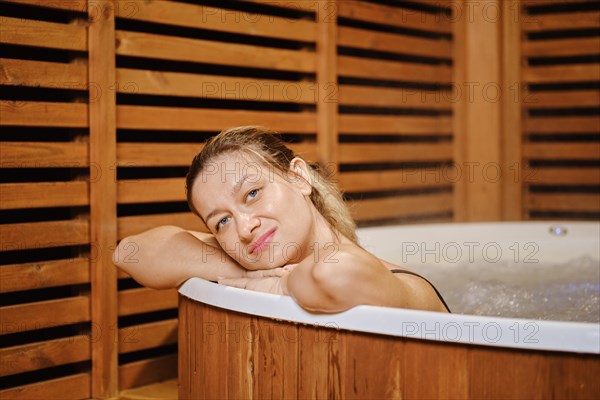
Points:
(260, 218)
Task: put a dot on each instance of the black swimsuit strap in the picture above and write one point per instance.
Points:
(403, 271)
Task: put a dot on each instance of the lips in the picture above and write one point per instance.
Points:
(262, 241)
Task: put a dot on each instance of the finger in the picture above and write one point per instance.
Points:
(235, 282)
(290, 267)
(266, 273)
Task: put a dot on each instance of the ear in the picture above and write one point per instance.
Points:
(300, 175)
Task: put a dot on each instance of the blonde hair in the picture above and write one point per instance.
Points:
(268, 147)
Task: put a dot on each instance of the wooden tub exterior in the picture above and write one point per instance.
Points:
(230, 355)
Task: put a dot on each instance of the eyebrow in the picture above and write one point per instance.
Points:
(235, 190)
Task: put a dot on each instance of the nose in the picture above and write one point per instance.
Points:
(247, 224)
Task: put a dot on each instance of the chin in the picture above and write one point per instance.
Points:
(262, 264)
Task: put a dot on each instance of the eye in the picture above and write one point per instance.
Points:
(221, 222)
(253, 193)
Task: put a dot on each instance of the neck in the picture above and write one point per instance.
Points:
(323, 234)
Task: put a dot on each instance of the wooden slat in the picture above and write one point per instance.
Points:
(277, 357)
(150, 190)
(327, 81)
(43, 194)
(170, 118)
(43, 74)
(555, 74)
(530, 3)
(33, 113)
(294, 5)
(555, 151)
(179, 154)
(214, 87)
(30, 32)
(45, 314)
(563, 176)
(34, 235)
(71, 5)
(560, 47)
(563, 202)
(34, 356)
(44, 154)
(218, 19)
(136, 224)
(206, 51)
(392, 152)
(396, 179)
(385, 97)
(146, 336)
(562, 125)
(434, 3)
(136, 301)
(511, 135)
(561, 99)
(68, 387)
(394, 16)
(395, 207)
(372, 40)
(147, 371)
(103, 196)
(562, 21)
(462, 73)
(157, 154)
(43, 274)
(393, 70)
(394, 125)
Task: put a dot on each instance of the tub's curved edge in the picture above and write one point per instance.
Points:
(454, 328)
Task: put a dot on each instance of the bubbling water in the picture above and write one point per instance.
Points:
(561, 292)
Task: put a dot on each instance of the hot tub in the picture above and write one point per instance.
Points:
(235, 343)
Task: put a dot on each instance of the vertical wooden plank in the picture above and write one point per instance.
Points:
(327, 86)
(185, 355)
(435, 369)
(240, 352)
(498, 374)
(276, 360)
(513, 94)
(481, 93)
(215, 360)
(460, 204)
(103, 198)
(362, 380)
(321, 363)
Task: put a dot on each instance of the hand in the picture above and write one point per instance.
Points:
(267, 280)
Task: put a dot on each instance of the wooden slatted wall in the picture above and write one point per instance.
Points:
(184, 72)
(395, 112)
(364, 87)
(45, 226)
(561, 109)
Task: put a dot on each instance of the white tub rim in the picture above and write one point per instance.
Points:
(520, 333)
(531, 334)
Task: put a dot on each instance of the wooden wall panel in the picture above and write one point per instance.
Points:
(395, 110)
(560, 119)
(185, 72)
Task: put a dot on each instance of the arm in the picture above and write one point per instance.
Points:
(167, 256)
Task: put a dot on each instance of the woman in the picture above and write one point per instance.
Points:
(276, 225)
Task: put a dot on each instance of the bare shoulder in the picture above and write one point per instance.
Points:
(344, 260)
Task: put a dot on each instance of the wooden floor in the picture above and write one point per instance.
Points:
(165, 390)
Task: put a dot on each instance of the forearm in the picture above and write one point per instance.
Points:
(166, 256)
